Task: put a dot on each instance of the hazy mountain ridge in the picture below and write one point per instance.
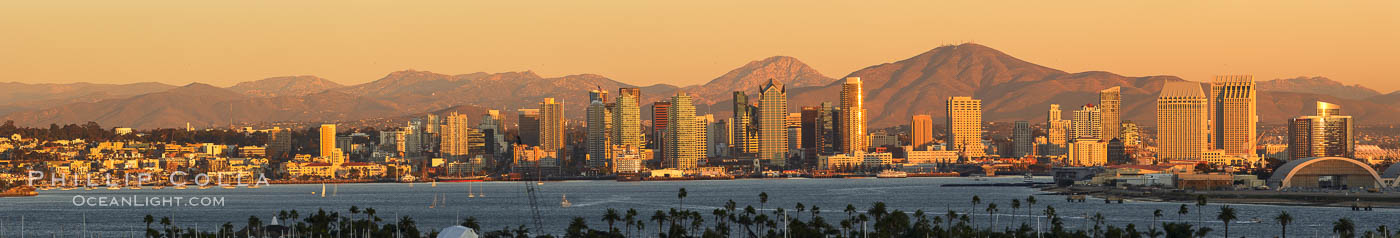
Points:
(1318, 85)
(1011, 89)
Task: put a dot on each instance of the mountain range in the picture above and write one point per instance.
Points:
(1011, 89)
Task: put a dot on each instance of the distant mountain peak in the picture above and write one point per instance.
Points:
(285, 86)
(1318, 85)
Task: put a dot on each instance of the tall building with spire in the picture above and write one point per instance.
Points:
(627, 118)
(772, 124)
(965, 127)
(1181, 121)
(1326, 134)
(598, 140)
(1233, 114)
(454, 142)
(921, 131)
(1110, 113)
(551, 125)
(685, 134)
(853, 116)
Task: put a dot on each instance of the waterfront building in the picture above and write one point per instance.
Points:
(1181, 121)
(772, 124)
(931, 156)
(965, 126)
(1110, 113)
(921, 131)
(1233, 116)
(853, 117)
(684, 134)
(1325, 134)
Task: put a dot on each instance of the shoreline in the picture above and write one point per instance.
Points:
(1255, 197)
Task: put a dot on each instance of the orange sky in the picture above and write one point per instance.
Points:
(682, 42)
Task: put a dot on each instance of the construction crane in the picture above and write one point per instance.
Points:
(530, 188)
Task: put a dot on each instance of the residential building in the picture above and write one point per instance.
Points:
(921, 131)
(551, 125)
(1087, 124)
(1110, 113)
(853, 117)
(685, 142)
(1023, 144)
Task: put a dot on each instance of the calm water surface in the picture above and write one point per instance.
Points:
(506, 204)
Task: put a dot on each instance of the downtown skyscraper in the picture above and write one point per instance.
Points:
(529, 126)
(1087, 124)
(965, 127)
(1233, 114)
(852, 116)
(1022, 143)
(599, 120)
(1181, 121)
(551, 125)
(627, 118)
(745, 133)
(772, 124)
(327, 141)
(1325, 134)
(921, 131)
(454, 132)
(1057, 132)
(1110, 113)
(685, 134)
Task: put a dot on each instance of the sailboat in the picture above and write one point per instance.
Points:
(566, 202)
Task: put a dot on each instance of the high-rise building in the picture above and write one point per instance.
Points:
(491, 127)
(1110, 113)
(455, 133)
(717, 136)
(1181, 121)
(965, 126)
(1326, 134)
(599, 122)
(627, 118)
(772, 124)
(279, 143)
(1057, 132)
(685, 142)
(327, 134)
(852, 116)
(1023, 144)
(921, 131)
(551, 125)
(1087, 153)
(1233, 115)
(660, 113)
(745, 133)
(529, 123)
(1086, 124)
(1132, 136)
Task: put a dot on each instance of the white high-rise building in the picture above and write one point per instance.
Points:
(965, 126)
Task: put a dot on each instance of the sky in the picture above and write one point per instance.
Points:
(646, 42)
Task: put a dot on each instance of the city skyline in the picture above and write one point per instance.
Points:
(38, 54)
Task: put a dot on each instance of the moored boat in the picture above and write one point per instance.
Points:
(892, 174)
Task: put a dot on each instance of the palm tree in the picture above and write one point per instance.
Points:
(629, 219)
(611, 216)
(878, 210)
(1181, 211)
(1283, 219)
(681, 195)
(1227, 214)
(1030, 207)
(991, 215)
(1015, 205)
(1098, 223)
(1200, 202)
(658, 217)
(148, 219)
(762, 200)
(1344, 228)
(1156, 214)
(641, 225)
(975, 201)
(800, 209)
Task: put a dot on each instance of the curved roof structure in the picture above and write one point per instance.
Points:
(1308, 171)
(1391, 173)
